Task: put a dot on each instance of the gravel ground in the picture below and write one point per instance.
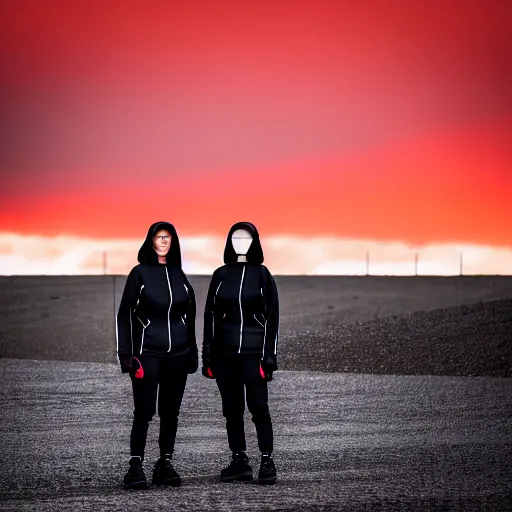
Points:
(465, 340)
(342, 442)
(433, 431)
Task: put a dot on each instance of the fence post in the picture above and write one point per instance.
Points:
(461, 262)
(416, 264)
(367, 263)
(104, 263)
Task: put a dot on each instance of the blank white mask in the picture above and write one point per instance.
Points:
(241, 240)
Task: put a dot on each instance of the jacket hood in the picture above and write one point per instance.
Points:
(147, 254)
(255, 252)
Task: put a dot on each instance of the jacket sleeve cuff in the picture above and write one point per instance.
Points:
(270, 364)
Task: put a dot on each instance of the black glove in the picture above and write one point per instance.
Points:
(207, 372)
(193, 365)
(266, 372)
(126, 363)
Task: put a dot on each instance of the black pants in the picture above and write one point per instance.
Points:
(165, 377)
(233, 374)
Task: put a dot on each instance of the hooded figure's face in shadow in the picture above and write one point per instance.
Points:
(162, 242)
(241, 240)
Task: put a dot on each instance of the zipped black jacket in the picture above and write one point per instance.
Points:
(242, 307)
(157, 311)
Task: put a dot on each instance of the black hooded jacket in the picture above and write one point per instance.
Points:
(242, 308)
(158, 309)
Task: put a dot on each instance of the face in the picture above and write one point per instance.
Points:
(162, 242)
(241, 240)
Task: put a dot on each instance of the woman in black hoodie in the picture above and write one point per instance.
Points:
(240, 347)
(156, 345)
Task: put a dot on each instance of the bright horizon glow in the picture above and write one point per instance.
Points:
(284, 255)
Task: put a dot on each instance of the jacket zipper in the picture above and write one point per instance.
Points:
(169, 311)
(241, 313)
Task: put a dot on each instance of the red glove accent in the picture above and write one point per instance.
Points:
(139, 374)
(210, 373)
(262, 373)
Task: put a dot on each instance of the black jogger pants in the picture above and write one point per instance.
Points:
(234, 375)
(166, 378)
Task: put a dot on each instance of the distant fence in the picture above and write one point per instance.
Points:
(463, 263)
(284, 255)
(416, 260)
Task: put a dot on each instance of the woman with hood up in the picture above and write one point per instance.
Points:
(156, 345)
(240, 347)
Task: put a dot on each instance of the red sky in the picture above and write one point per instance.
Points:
(379, 120)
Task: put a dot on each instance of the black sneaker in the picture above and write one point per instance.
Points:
(165, 474)
(135, 477)
(239, 469)
(267, 474)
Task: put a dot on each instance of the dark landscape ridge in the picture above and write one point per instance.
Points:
(469, 340)
(460, 325)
